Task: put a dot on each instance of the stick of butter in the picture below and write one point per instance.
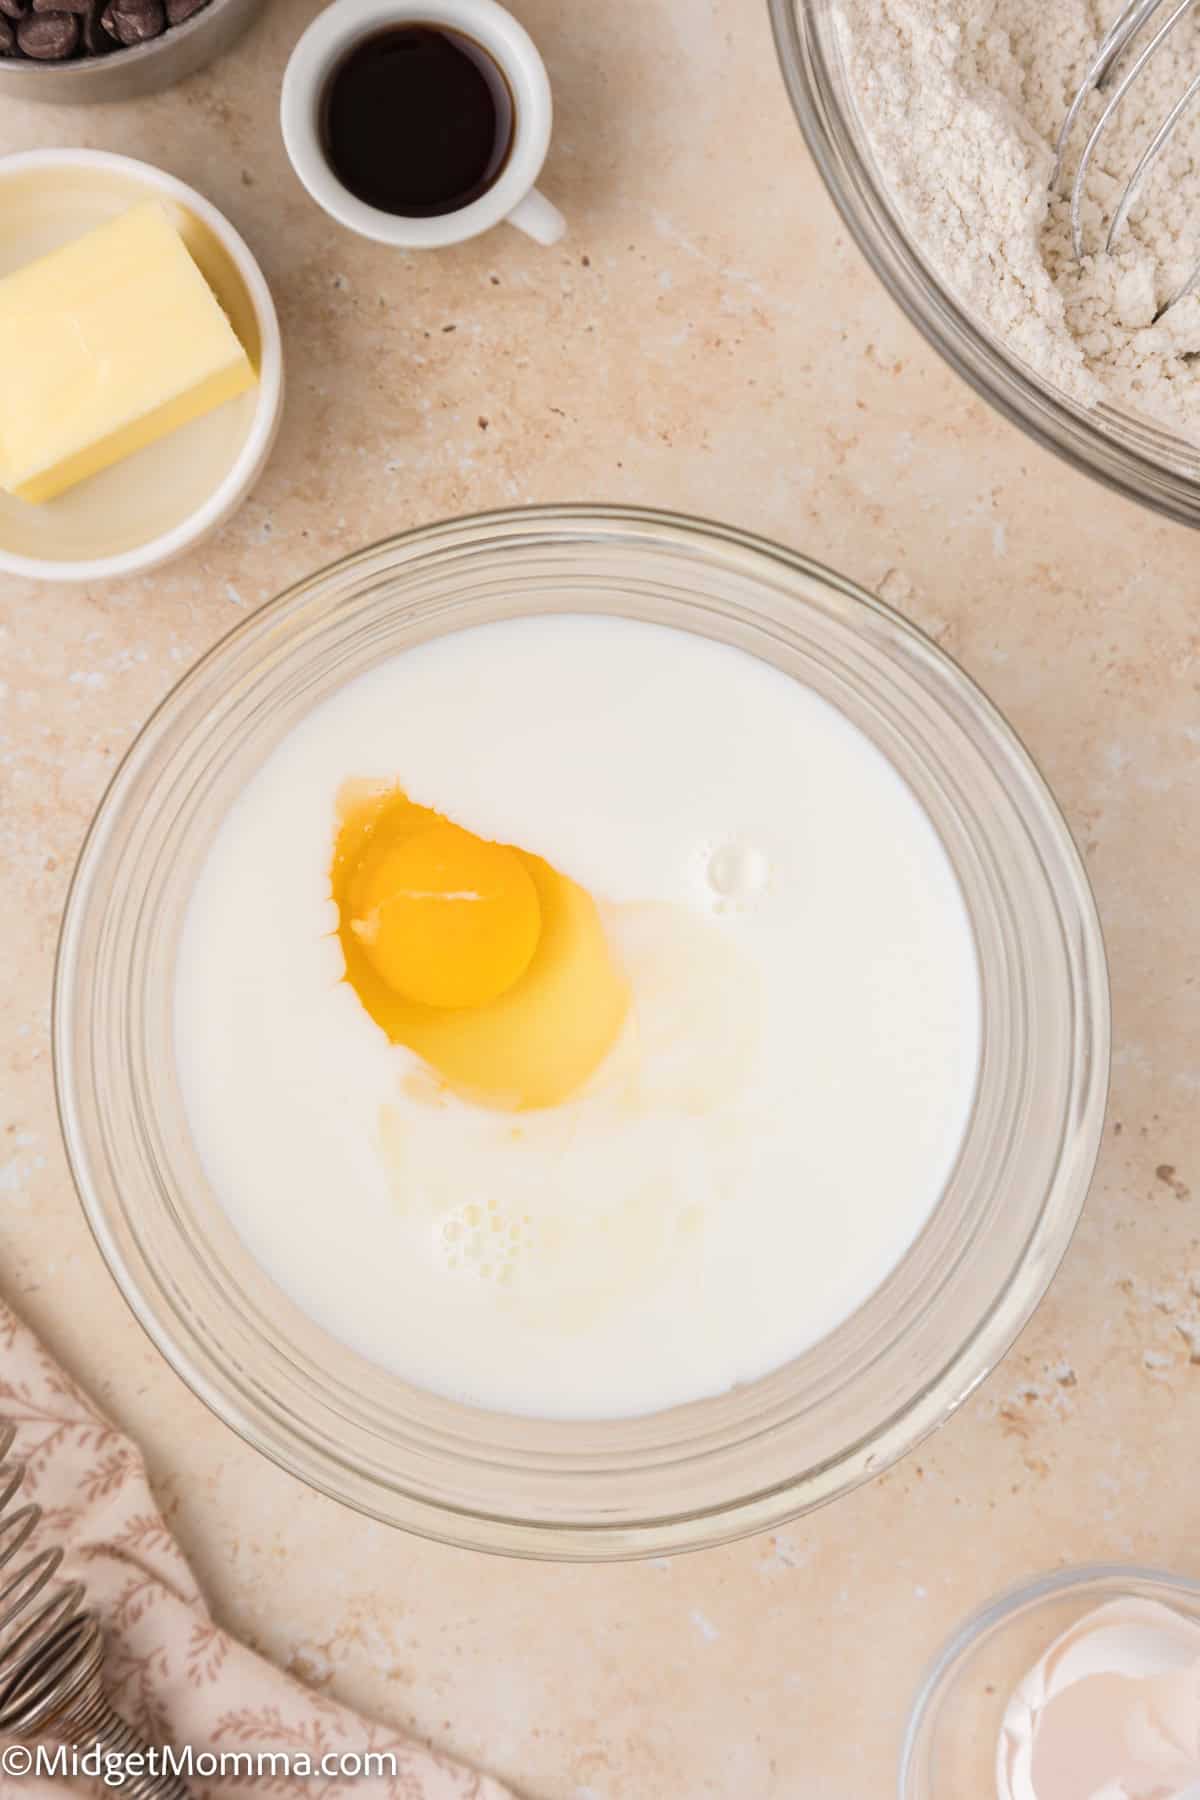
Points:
(115, 340)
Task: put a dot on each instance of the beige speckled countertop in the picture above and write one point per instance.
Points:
(705, 339)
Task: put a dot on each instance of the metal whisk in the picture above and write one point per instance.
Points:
(51, 1649)
(1109, 69)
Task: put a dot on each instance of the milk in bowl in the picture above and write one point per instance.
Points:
(577, 1016)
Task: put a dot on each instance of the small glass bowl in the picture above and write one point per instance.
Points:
(1140, 459)
(953, 1731)
(744, 1460)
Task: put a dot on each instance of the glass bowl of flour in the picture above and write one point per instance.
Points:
(762, 1239)
(934, 124)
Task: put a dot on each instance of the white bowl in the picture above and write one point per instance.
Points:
(166, 498)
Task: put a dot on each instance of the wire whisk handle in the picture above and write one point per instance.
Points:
(52, 1650)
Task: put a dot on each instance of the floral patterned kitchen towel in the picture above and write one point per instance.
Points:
(170, 1671)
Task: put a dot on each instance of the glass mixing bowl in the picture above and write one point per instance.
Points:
(700, 1473)
(1130, 454)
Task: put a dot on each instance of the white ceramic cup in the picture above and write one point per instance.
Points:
(512, 195)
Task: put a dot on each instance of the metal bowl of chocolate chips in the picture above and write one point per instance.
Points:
(91, 50)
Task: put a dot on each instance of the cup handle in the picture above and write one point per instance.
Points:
(535, 215)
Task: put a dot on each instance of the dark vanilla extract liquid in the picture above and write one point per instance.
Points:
(417, 120)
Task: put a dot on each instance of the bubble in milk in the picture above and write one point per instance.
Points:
(737, 872)
(483, 1239)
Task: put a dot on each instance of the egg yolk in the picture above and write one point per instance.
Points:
(488, 963)
(445, 917)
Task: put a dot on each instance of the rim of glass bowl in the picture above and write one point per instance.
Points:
(1134, 457)
(1094, 1582)
(701, 1473)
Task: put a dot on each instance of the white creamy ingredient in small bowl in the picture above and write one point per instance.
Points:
(171, 495)
(1110, 1712)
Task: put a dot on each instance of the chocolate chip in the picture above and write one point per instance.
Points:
(50, 30)
(135, 21)
(48, 37)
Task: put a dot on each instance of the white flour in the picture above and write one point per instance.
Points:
(964, 100)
